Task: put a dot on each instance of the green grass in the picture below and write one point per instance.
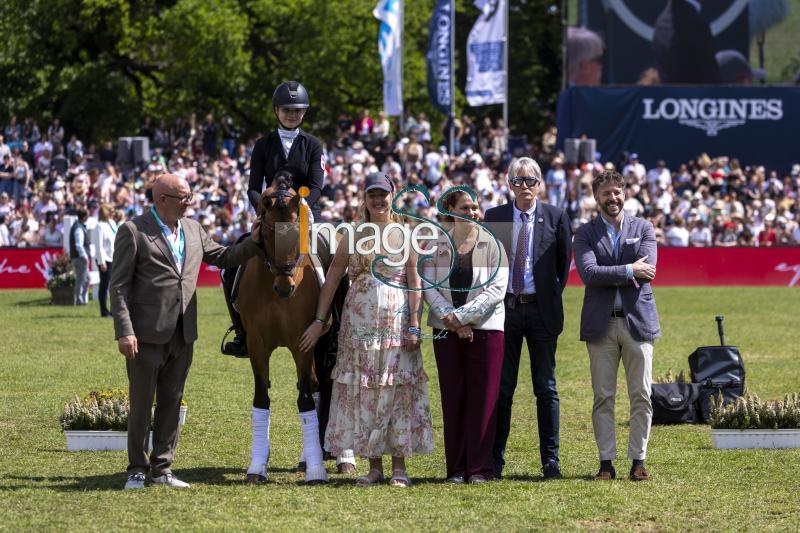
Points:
(49, 353)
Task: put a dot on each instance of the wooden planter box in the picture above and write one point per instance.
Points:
(755, 438)
(62, 296)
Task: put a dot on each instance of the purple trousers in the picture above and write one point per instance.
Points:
(469, 378)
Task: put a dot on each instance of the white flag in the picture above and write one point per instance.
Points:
(390, 40)
(486, 77)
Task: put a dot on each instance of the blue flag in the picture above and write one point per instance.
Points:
(439, 57)
(390, 42)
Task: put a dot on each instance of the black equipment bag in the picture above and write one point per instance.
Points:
(675, 403)
(717, 369)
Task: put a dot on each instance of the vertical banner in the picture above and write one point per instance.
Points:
(390, 47)
(486, 46)
(439, 59)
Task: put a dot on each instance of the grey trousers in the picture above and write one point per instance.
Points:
(81, 267)
(637, 358)
(158, 370)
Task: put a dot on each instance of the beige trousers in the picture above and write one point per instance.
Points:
(637, 358)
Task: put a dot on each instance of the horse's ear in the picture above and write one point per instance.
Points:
(264, 203)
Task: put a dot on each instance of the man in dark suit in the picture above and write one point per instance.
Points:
(537, 240)
(156, 261)
(616, 259)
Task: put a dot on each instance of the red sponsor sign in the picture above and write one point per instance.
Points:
(723, 267)
(26, 268)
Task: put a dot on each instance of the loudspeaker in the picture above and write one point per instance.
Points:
(572, 151)
(587, 150)
(140, 150)
(124, 158)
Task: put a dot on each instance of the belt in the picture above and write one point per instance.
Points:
(522, 298)
(618, 313)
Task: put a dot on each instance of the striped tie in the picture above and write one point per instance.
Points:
(518, 275)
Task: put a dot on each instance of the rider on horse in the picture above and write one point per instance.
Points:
(287, 148)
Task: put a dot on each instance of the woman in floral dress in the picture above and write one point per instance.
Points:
(380, 401)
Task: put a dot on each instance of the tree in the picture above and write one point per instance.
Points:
(101, 65)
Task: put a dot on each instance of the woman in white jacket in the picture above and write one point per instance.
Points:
(103, 238)
(468, 337)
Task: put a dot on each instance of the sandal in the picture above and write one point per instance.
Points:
(367, 481)
(399, 478)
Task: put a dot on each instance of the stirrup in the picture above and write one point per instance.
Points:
(223, 347)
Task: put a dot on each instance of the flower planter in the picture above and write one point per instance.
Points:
(62, 296)
(95, 441)
(755, 438)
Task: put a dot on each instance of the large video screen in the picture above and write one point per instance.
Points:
(675, 42)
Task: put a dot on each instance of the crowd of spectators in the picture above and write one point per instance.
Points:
(46, 175)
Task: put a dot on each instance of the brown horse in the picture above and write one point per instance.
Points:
(277, 300)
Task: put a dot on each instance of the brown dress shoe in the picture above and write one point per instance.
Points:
(638, 473)
(605, 475)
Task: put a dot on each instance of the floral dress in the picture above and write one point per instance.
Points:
(379, 403)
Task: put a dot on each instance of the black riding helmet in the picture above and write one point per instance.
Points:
(290, 94)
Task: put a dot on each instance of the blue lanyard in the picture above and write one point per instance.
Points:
(176, 248)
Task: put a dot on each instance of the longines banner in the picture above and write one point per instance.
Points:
(27, 268)
(757, 125)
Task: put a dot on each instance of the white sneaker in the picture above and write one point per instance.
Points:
(170, 480)
(135, 481)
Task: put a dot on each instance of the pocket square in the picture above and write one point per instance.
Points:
(632, 241)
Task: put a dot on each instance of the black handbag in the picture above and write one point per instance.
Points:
(675, 403)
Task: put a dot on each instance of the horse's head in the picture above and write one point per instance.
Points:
(280, 232)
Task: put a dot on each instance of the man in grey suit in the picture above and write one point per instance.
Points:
(616, 259)
(156, 261)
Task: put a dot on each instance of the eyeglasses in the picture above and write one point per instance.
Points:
(531, 182)
(184, 199)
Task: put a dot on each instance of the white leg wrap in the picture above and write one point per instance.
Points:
(316, 397)
(259, 452)
(315, 469)
(347, 457)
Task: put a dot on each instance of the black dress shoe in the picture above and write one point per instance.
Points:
(498, 471)
(237, 347)
(551, 470)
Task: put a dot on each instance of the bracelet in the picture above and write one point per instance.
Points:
(413, 330)
(320, 321)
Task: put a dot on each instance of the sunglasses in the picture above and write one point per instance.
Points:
(186, 199)
(529, 181)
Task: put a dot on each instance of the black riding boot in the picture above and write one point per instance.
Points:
(238, 346)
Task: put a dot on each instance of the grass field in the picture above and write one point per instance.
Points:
(49, 353)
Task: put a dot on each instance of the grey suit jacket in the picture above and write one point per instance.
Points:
(148, 294)
(603, 275)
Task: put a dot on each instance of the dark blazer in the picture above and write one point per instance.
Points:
(603, 275)
(306, 162)
(148, 294)
(552, 254)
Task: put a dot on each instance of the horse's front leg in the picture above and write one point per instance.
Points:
(260, 414)
(309, 423)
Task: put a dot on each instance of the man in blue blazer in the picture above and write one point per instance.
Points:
(538, 243)
(616, 258)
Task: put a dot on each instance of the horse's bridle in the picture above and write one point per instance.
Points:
(284, 269)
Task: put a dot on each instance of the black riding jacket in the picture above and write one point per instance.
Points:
(306, 162)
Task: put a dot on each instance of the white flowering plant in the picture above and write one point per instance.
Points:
(103, 410)
(750, 412)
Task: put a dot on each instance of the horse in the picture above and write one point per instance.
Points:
(277, 300)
